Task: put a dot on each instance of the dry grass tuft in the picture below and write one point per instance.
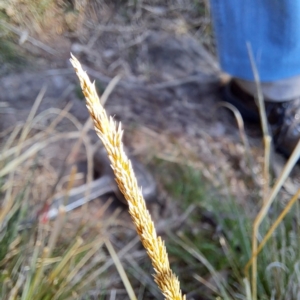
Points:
(111, 136)
(40, 259)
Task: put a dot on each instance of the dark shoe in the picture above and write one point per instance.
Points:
(283, 117)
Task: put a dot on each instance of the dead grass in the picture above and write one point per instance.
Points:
(66, 258)
(111, 136)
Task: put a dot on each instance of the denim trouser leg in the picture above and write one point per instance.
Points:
(271, 27)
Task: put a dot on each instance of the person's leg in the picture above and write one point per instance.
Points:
(272, 29)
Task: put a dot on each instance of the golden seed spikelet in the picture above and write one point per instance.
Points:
(111, 136)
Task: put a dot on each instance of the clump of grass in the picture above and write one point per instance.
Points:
(111, 136)
(214, 245)
(40, 259)
(33, 261)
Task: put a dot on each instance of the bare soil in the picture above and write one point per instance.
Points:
(167, 99)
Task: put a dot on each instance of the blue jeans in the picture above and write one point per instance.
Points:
(272, 27)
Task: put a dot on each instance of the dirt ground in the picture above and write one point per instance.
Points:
(176, 105)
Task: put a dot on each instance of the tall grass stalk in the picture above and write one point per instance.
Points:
(111, 136)
(268, 197)
(279, 220)
(267, 139)
(121, 270)
(266, 167)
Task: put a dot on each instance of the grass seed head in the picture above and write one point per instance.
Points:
(111, 135)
